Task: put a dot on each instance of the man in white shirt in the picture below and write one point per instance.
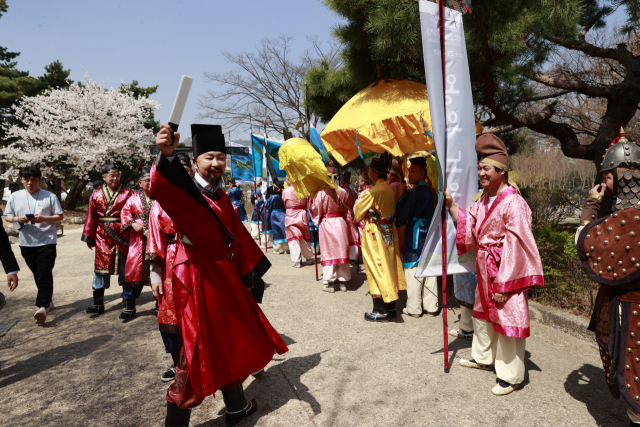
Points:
(34, 212)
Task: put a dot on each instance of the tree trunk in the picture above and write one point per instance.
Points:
(75, 192)
(57, 188)
(3, 169)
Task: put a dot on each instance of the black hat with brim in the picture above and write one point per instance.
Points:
(420, 162)
(207, 138)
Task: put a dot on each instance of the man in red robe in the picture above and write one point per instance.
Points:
(102, 230)
(135, 219)
(224, 335)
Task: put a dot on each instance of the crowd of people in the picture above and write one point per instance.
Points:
(181, 234)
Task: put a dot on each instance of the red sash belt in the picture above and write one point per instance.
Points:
(386, 221)
(331, 215)
(494, 256)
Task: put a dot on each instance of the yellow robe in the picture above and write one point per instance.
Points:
(383, 263)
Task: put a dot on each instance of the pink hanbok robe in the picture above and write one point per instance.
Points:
(507, 259)
(328, 213)
(162, 247)
(349, 199)
(296, 223)
(136, 269)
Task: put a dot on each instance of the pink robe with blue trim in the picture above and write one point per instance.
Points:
(507, 259)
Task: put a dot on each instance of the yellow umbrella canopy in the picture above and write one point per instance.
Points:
(304, 166)
(386, 116)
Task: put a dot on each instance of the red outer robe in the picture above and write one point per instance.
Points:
(225, 335)
(102, 227)
(136, 270)
(162, 245)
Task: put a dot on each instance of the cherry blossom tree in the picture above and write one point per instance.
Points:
(70, 132)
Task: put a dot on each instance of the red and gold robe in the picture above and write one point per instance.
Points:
(102, 228)
(225, 336)
(162, 245)
(136, 269)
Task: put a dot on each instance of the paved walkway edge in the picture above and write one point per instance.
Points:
(568, 323)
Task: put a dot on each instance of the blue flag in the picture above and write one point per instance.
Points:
(241, 163)
(257, 144)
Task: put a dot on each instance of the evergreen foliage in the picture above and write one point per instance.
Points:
(509, 44)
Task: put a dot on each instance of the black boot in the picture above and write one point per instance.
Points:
(177, 417)
(98, 302)
(129, 311)
(379, 313)
(237, 406)
(391, 309)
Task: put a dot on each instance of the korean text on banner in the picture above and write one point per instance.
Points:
(457, 132)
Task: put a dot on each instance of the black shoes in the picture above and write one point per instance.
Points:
(177, 417)
(237, 406)
(98, 302)
(169, 375)
(379, 313)
(95, 309)
(129, 311)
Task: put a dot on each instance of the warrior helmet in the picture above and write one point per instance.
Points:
(623, 160)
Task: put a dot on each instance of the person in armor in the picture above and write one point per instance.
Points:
(610, 253)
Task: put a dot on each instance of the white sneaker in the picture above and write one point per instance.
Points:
(51, 307)
(40, 316)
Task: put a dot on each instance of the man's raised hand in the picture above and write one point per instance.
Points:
(164, 140)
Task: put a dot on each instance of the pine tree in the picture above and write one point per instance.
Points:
(509, 45)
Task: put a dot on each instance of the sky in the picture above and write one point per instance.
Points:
(154, 42)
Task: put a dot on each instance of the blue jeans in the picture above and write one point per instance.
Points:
(103, 281)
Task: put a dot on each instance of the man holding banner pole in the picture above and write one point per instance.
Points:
(498, 226)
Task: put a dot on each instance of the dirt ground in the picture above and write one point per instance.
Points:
(340, 370)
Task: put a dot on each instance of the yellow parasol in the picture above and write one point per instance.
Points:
(305, 170)
(388, 115)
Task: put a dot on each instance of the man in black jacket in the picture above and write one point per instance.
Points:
(8, 260)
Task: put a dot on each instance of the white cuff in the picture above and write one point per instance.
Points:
(13, 272)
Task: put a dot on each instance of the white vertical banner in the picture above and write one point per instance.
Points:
(456, 130)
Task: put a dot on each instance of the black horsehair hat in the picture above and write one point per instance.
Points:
(420, 162)
(207, 138)
(109, 166)
(144, 171)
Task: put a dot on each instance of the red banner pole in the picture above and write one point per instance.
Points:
(444, 212)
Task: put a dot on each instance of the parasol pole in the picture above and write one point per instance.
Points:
(444, 214)
(308, 138)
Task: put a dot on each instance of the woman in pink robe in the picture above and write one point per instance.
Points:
(349, 201)
(296, 226)
(327, 212)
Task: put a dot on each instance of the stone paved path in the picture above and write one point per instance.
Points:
(340, 370)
